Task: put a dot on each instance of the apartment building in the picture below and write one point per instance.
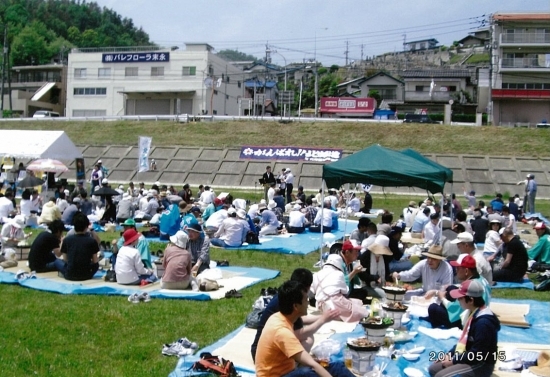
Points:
(521, 68)
(151, 81)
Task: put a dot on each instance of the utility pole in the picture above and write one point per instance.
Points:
(346, 52)
(490, 102)
(267, 58)
(362, 51)
(316, 89)
(4, 51)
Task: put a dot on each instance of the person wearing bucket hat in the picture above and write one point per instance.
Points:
(232, 231)
(177, 263)
(331, 287)
(199, 247)
(447, 313)
(476, 353)
(269, 222)
(492, 238)
(13, 233)
(543, 365)
(540, 252)
(142, 245)
(465, 243)
(129, 268)
(434, 272)
(372, 261)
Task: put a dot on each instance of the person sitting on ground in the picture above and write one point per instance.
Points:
(325, 217)
(297, 220)
(421, 219)
(12, 233)
(408, 213)
(465, 243)
(80, 251)
(514, 266)
(371, 237)
(280, 350)
(305, 326)
(70, 211)
(461, 218)
(176, 263)
(213, 223)
(45, 250)
(36, 202)
(358, 235)
(372, 260)
(25, 204)
(61, 202)
(432, 231)
(269, 222)
(509, 219)
(7, 208)
(367, 203)
(397, 261)
(125, 209)
(85, 204)
(311, 209)
(447, 313)
(331, 287)
(497, 203)
(492, 239)
(479, 226)
(540, 252)
(199, 247)
(231, 233)
(50, 212)
(142, 245)
(474, 354)
(129, 268)
(434, 272)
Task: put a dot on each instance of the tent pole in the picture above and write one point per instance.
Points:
(346, 219)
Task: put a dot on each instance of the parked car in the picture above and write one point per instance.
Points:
(418, 118)
(45, 114)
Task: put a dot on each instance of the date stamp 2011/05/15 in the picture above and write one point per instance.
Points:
(435, 356)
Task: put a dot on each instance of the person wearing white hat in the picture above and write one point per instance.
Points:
(177, 263)
(434, 272)
(331, 289)
(540, 252)
(232, 231)
(465, 243)
(13, 233)
(374, 274)
(297, 220)
(269, 222)
(492, 238)
(289, 180)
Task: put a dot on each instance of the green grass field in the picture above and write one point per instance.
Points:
(45, 334)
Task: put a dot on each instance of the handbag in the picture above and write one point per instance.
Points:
(253, 318)
(252, 238)
(110, 276)
(215, 365)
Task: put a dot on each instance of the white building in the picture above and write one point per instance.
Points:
(151, 81)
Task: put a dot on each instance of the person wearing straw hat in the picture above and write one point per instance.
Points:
(129, 268)
(13, 233)
(434, 272)
(176, 263)
(374, 274)
(476, 352)
(331, 288)
(543, 365)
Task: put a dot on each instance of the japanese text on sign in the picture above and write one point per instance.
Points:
(290, 153)
(137, 57)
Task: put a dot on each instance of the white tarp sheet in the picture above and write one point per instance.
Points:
(37, 144)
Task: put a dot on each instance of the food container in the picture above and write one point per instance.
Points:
(375, 331)
(363, 357)
(394, 294)
(395, 311)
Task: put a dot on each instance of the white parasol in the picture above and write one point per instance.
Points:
(48, 165)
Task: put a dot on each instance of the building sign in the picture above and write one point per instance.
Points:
(290, 153)
(136, 57)
(347, 105)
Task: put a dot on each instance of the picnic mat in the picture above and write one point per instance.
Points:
(511, 314)
(526, 283)
(236, 345)
(233, 277)
(291, 243)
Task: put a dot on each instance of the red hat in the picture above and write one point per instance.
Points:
(464, 260)
(218, 202)
(130, 236)
(539, 226)
(347, 245)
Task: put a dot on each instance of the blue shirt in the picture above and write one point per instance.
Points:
(419, 222)
(269, 218)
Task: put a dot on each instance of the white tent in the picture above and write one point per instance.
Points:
(37, 144)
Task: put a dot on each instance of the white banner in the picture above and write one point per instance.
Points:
(144, 148)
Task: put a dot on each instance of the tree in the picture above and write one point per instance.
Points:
(234, 56)
(29, 48)
(376, 95)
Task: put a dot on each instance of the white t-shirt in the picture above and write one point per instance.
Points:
(129, 266)
(296, 219)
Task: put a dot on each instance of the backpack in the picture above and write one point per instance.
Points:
(215, 365)
(252, 238)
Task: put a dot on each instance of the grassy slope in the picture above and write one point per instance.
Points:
(45, 334)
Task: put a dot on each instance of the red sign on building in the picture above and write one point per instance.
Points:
(348, 105)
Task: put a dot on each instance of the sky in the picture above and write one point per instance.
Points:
(298, 30)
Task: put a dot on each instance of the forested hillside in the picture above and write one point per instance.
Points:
(41, 30)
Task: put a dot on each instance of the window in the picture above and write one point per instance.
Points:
(226, 96)
(157, 71)
(215, 92)
(130, 71)
(419, 88)
(210, 70)
(238, 84)
(104, 72)
(89, 113)
(451, 88)
(90, 91)
(189, 71)
(80, 73)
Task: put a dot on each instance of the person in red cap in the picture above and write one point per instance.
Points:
(475, 354)
(447, 313)
(129, 268)
(540, 252)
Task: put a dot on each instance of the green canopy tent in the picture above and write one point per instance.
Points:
(386, 167)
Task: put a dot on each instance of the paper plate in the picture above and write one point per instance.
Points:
(418, 349)
(413, 372)
(411, 356)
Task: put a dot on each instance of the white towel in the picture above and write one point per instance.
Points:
(455, 332)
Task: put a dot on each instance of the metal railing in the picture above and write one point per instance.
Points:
(528, 37)
(118, 49)
(529, 62)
